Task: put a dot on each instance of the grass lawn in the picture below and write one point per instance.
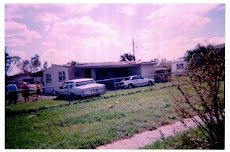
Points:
(180, 141)
(89, 124)
(41, 104)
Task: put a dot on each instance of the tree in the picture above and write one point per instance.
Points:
(127, 57)
(72, 63)
(10, 62)
(31, 66)
(24, 66)
(155, 61)
(35, 63)
(45, 66)
(165, 63)
(203, 94)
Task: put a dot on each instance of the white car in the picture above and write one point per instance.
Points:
(80, 88)
(134, 81)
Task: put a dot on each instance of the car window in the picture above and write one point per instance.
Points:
(125, 79)
(140, 77)
(85, 82)
(134, 78)
(70, 84)
(64, 85)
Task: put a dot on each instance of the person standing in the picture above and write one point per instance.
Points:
(25, 91)
(12, 90)
(38, 89)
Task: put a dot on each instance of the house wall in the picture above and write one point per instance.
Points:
(55, 83)
(20, 79)
(135, 70)
(147, 71)
(175, 69)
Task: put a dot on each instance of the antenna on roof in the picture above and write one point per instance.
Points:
(133, 50)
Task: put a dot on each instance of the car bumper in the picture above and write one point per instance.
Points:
(86, 94)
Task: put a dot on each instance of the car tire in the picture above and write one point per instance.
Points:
(57, 95)
(130, 86)
(150, 83)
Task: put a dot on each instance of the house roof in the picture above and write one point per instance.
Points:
(109, 64)
(37, 74)
(20, 75)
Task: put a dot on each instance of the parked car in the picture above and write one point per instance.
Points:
(80, 88)
(134, 81)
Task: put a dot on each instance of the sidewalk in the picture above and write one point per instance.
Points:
(148, 137)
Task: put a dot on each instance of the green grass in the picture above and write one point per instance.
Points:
(35, 105)
(183, 140)
(41, 104)
(90, 124)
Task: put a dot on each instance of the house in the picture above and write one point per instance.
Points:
(179, 66)
(30, 78)
(54, 76)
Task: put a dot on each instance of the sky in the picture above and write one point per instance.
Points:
(60, 33)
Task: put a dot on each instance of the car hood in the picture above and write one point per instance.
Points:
(90, 86)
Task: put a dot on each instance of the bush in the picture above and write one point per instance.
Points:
(204, 93)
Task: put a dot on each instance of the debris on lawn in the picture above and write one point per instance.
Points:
(116, 102)
(32, 116)
(110, 106)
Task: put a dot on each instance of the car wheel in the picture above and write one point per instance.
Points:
(130, 86)
(73, 97)
(150, 83)
(58, 95)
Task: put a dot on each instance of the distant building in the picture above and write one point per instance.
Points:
(179, 66)
(30, 78)
(54, 76)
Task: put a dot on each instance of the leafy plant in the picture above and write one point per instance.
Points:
(204, 93)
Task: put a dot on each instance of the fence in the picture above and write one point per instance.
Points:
(113, 87)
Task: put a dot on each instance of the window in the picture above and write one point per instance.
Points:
(61, 76)
(48, 78)
(180, 66)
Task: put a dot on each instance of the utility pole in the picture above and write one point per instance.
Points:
(133, 50)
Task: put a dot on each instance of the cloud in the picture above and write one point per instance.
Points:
(49, 44)
(22, 54)
(84, 31)
(18, 34)
(127, 10)
(46, 13)
(174, 48)
(180, 18)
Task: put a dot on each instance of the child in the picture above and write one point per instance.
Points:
(38, 89)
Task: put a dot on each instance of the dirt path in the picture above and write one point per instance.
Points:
(148, 137)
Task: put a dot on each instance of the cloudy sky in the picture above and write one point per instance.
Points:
(101, 33)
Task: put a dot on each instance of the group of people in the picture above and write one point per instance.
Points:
(12, 92)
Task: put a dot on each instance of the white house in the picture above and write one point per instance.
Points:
(54, 76)
(178, 67)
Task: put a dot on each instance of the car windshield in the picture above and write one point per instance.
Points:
(85, 82)
(125, 79)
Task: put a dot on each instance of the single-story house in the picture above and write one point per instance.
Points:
(30, 78)
(179, 66)
(56, 75)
